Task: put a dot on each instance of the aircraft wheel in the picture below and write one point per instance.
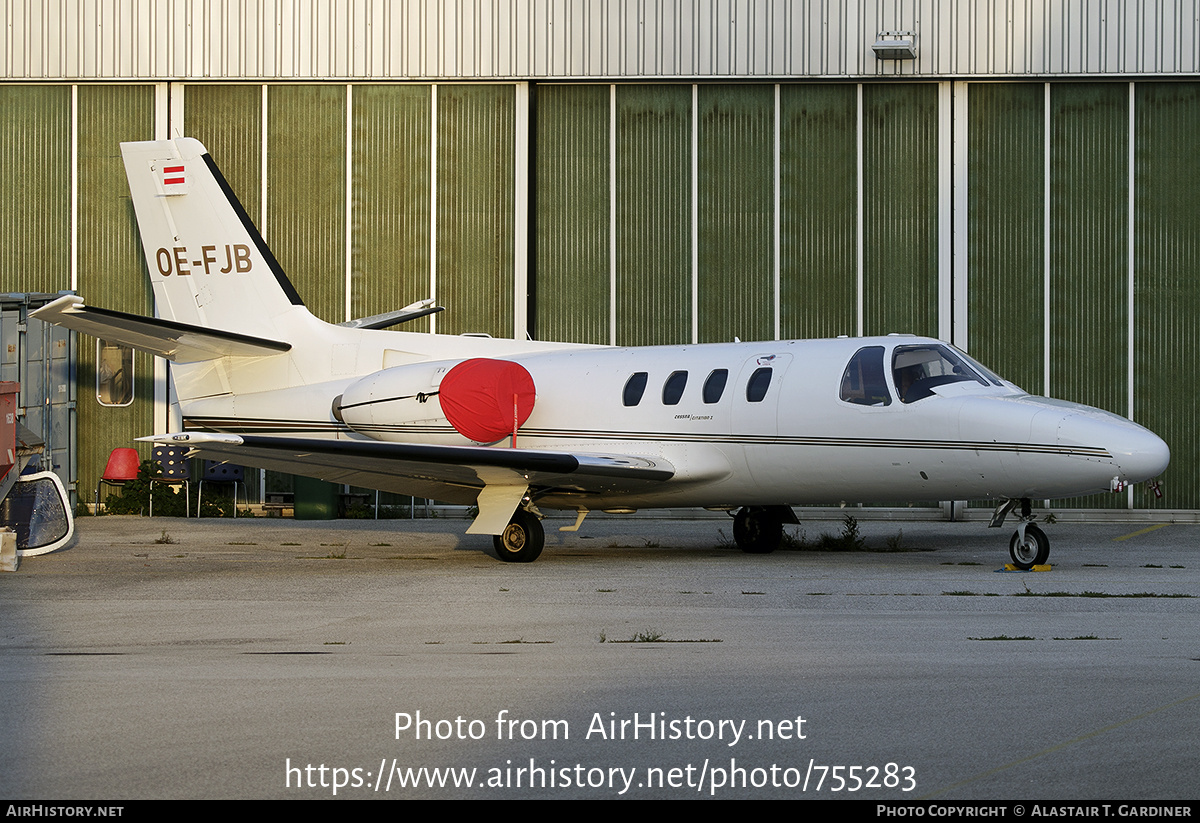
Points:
(757, 531)
(522, 540)
(1032, 551)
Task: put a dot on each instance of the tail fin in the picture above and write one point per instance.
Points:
(208, 264)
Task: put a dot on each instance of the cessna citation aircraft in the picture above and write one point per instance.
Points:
(516, 426)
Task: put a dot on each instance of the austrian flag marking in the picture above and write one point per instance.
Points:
(173, 177)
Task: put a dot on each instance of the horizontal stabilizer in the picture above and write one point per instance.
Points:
(413, 311)
(451, 473)
(179, 342)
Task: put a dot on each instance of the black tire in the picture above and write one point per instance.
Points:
(757, 531)
(522, 540)
(1034, 551)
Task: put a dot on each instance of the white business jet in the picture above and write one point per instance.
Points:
(518, 426)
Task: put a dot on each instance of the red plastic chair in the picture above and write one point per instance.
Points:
(122, 467)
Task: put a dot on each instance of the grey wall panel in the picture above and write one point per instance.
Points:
(818, 210)
(35, 151)
(654, 286)
(591, 39)
(1167, 282)
(571, 223)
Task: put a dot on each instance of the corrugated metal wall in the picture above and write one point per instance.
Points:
(306, 192)
(818, 203)
(598, 39)
(1089, 252)
(228, 121)
(1166, 279)
(571, 221)
(475, 189)
(390, 187)
(735, 281)
(1006, 229)
(653, 221)
(655, 211)
(900, 220)
(112, 270)
(35, 207)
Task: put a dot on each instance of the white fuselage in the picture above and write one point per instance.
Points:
(801, 442)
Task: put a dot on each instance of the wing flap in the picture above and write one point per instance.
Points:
(454, 474)
(179, 342)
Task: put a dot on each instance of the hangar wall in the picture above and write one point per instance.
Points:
(590, 39)
(628, 172)
(1048, 228)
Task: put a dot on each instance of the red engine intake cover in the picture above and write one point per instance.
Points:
(487, 400)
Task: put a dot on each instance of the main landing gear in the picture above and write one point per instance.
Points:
(759, 529)
(522, 539)
(1029, 545)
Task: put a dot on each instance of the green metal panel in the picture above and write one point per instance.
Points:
(1006, 153)
(900, 188)
(1167, 281)
(736, 212)
(306, 192)
(35, 204)
(571, 214)
(1089, 214)
(818, 194)
(112, 269)
(228, 121)
(390, 175)
(475, 201)
(654, 281)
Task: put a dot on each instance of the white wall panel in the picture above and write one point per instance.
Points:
(589, 39)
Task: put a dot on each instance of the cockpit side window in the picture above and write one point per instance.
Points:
(673, 388)
(635, 386)
(864, 382)
(918, 370)
(714, 386)
(756, 387)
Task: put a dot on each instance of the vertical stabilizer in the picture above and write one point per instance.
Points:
(208, 264)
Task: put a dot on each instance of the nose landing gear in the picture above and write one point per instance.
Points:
(1029, 545)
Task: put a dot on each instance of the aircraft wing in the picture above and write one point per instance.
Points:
(455, 474)
(180, 342)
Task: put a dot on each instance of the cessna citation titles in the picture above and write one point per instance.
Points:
(517, 426)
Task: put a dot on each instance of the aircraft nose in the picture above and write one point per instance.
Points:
(1139, 453)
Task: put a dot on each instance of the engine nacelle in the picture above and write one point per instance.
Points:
(477, 400)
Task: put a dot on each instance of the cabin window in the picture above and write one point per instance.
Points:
(714, 386)
(114, 374)
(673, 388)
(918, 370)
(760, 381)
(864, 382)
(635, 386)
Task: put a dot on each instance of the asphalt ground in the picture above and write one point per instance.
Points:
(269, 658)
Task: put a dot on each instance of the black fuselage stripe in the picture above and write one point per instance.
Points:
(235, 426)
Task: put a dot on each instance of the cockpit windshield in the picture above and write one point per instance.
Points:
(918, 370)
